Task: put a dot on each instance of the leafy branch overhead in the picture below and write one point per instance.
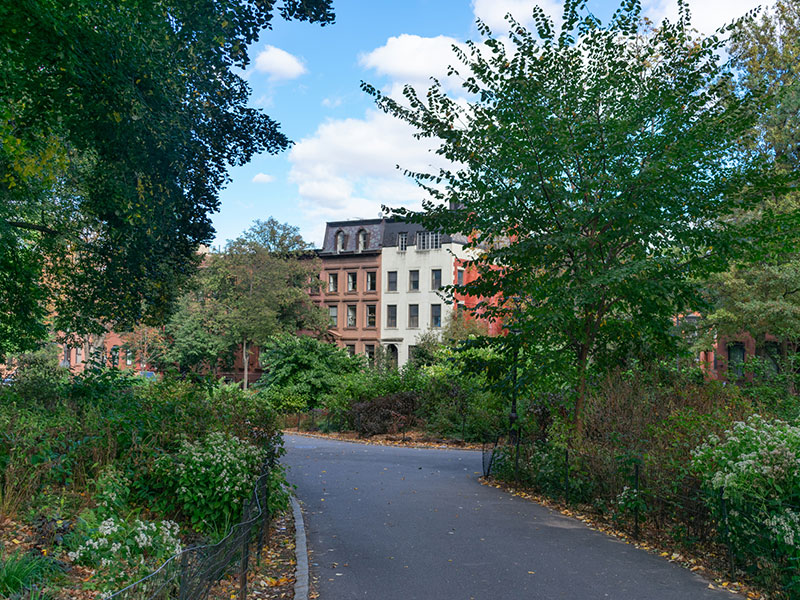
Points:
(599, 166)
(117, 126)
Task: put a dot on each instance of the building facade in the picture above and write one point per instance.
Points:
(381, 284)
(415, 265)
(351, 283)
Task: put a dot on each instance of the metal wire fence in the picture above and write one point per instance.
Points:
(750, 538)
(192, 573)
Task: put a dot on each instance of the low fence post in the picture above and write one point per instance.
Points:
(183, 591)
(244, 565)
(262, 519)
(726, 530)
(636, 504)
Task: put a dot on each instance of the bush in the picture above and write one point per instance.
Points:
(387, 414)
(366, 386)
(38, 378)
(308, 366)
(207, 481)
(755, 467)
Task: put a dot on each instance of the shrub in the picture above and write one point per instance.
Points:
(112, 490)
(208, 480)
(29, 452)
(309, 366)
(387, 414)
(244, 414)
(755, 467)
(38, 378)
(122, 550)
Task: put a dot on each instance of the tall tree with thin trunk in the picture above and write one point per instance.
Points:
(260, 286)
(595, 167)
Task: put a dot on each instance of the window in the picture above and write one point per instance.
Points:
(413, 315)
(391, 281)
(333, 282)
(436, 279)
(78, 355)
(391, 315)
(369, 351)
(428, 240)
(351, 349)
(371, 312)
(402, 241)
(341, 240)
(372, 281)
(351, 315)
(352, 282)
(736, 359)
(460, 276)
(361, 241)
(129, 357)
(436, 315)
(413, 280)
(333, 313)
(772, 351)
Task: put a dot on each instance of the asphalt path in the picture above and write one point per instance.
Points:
(390, 523)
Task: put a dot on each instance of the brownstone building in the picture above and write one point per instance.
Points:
(351, 261)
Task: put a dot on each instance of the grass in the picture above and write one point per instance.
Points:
(20, 571)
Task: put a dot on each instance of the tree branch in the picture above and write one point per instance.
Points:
(33, 227)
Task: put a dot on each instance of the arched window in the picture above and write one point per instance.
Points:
(362, 240)
(340, 240)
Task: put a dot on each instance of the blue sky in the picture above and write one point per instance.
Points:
(343, 162)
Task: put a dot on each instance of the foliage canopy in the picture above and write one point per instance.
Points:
(118, 122)
(597, 166)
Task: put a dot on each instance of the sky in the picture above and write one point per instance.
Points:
(343, 163)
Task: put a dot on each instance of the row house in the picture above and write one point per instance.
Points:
(351, 283)
(382, 281)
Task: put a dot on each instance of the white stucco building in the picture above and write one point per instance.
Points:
(415, 264)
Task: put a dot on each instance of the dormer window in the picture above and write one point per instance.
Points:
(361, 240)
(340, 241)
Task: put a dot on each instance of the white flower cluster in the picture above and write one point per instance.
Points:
(110, 543)
(753, 454)
(786, 527)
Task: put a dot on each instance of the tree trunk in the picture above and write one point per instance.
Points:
(245, 361)
(583, 359)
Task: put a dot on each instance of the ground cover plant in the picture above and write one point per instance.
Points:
(111, 474)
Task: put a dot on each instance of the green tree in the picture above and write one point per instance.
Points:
(311, 368)
(197, 340)
(259, 285)
(595, 166)
(118, 122)
(761, 295)
(146, 344)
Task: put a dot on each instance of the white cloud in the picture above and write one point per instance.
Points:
(347, 168)
(493, 12)
(707, 15)
(331, 102)
(279, 64)
(413, 59)
(263, 178)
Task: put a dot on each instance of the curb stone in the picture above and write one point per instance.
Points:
(301, 553)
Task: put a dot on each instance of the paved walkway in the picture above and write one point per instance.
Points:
(389, 523)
